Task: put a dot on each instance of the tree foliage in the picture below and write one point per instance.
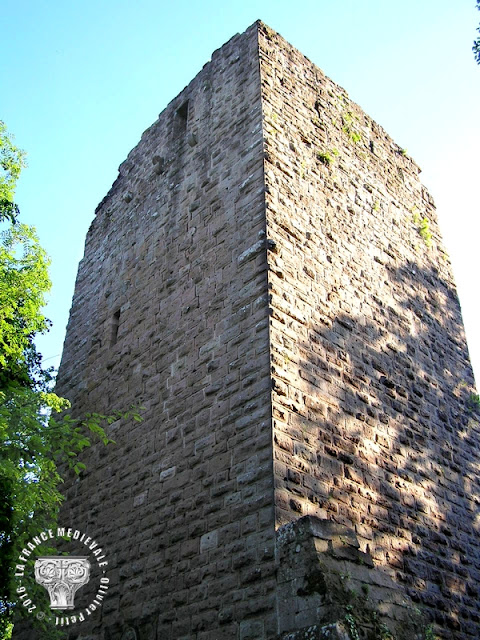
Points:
(37, 434)
(23, 283)
(476, 44)
(34, 444)
(12, 161)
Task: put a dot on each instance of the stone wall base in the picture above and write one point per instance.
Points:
(329, 589)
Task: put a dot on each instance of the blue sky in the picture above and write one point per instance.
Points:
(80, 82)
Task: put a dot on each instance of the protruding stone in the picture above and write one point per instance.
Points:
(192, 139)
(159, 164)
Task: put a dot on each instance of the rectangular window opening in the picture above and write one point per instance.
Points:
(115, 325)
(181, 118)
(182, 111)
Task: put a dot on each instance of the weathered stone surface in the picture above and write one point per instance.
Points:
(370, 370)
(176, 257)
(333, 590)
(266, 276)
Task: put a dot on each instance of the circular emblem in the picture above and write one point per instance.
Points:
(63, 576)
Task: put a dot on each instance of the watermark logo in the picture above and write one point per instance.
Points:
(62, 575)
(62, 578)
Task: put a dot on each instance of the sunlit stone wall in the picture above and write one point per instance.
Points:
(373, 422)
(171, 312)
(267, 278)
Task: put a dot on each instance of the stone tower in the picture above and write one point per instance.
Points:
(267, 278)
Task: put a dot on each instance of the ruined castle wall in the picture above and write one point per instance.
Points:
(267, 278)
(171, 312)
(370, 366)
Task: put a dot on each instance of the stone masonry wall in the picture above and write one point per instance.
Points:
(371, 377)
(171, 311)
(328, 589)
(266, 277)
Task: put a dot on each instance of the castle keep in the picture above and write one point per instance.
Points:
(267, 278)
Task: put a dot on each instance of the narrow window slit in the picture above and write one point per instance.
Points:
(182, 111)
(115, 325)
(181, 118)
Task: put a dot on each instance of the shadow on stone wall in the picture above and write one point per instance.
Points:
(402, 439)
(330, 589)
